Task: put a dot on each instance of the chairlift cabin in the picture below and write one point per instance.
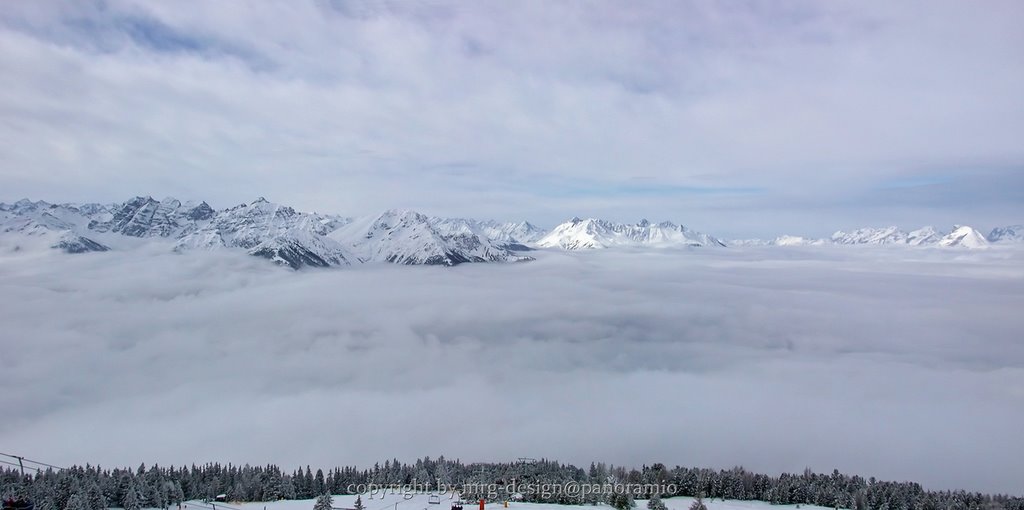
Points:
(457, 505)
(434, 499)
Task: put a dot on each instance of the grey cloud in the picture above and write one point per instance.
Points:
(331, 109)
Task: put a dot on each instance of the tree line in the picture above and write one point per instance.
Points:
(96, 488)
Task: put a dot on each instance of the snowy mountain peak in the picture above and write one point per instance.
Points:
(25, 205)
(964, 236)
(595, 234)
(200, 212)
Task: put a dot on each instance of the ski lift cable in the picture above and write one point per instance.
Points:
(26, 459)
(15, 464)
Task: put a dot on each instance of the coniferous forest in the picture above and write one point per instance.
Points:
(98, 488)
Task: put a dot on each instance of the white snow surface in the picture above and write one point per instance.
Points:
(421, 501)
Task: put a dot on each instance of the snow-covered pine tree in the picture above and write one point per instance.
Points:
(76, 502)
(65, 488)
(319, 484)
(178, 495)
(620, 501)
(131, 498)
(94, 497)
(323, 502)
(698, 504)
(655, 503)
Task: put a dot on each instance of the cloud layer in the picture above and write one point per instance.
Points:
(901, 364)
(736, 118)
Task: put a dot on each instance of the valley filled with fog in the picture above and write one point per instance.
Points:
(895, 363)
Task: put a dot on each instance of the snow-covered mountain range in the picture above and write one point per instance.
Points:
(297, 239)
(591, 233)
(960, 236)
(264, 229)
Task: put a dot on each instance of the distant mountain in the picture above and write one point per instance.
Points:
(515, 236)
(299, 239)
(787, 240)
(408, 237)
(886, 235)
(249, 225)
(45, 224)
(964, 236)
(921, 237)
(1008, 234)
(264, 229)
(577, 234)
(924, 236)
(960, 236)
(145, 217)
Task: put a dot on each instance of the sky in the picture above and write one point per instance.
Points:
(894, 363)
(735, 118)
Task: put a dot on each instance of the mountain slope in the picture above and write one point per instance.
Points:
(408, 237)
(38, 224)
(924, 236)
(1007, 234)
(515, 236)
(146, 217)
(887, 235)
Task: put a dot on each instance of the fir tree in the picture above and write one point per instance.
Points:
(698, 504)
(94, 497)
(76, 502)
(131, 498)
(323, 502)
(655, 503)
(319, 485)
(621, 501)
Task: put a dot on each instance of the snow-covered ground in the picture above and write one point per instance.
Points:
(422, 502)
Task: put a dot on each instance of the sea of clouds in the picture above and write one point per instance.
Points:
(901, 364)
